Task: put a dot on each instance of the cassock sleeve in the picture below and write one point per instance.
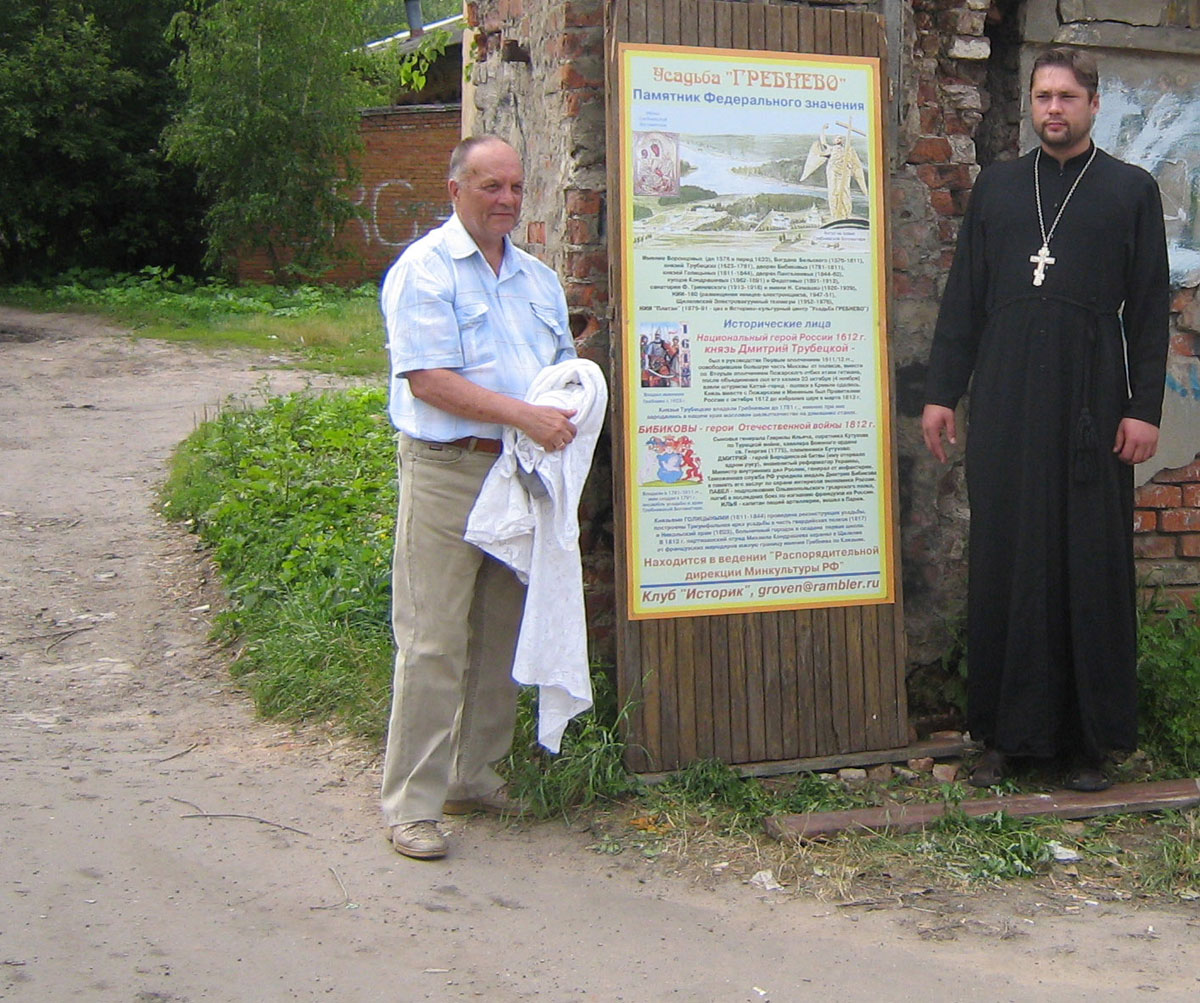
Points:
(963, 310)
(1146, 314)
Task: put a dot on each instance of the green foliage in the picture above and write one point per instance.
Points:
(297, 501)
(991, 847)
(1169, 679)
(1171, 864)
(736, 804)
(270, 122)
(588, 768)
(85, 90)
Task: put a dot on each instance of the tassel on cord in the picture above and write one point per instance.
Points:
(1084, 453)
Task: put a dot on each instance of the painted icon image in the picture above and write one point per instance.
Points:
(655, 163)
(665, 354)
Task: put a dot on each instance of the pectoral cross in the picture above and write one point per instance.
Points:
(1041, 259)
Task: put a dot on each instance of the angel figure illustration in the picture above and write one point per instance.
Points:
(841, 163)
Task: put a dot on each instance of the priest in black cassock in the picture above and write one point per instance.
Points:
(1056, 314)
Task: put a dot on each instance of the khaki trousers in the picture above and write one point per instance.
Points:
(456, 613)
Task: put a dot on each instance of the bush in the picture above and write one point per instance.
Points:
(298, 502)
(1169, 680)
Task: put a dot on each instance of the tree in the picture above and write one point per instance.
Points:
(85, 90)
(270, 122)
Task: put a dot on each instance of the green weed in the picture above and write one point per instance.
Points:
(1169, 678)
(589, 766)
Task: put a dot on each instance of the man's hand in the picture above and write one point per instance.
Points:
(937, 421)
(549, 427)
(1137, 441)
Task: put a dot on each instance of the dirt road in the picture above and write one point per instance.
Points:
(160, 844)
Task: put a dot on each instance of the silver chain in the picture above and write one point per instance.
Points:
(1037, 188)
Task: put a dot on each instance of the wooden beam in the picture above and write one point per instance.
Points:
(1117, 800)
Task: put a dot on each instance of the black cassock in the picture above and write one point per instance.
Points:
(1051, 618)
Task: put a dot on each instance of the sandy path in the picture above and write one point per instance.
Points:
(118, 723)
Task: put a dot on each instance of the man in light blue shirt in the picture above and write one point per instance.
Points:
(470, 319)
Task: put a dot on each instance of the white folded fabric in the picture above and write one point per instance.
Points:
(536, 533)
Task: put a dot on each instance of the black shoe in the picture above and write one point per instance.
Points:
(1087, 777)
(989, 771)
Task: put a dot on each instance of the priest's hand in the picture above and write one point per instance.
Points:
(937, 421)
(1137, 440)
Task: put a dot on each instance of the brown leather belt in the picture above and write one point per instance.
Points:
(472, 444)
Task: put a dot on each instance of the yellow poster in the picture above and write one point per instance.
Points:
(756, 438)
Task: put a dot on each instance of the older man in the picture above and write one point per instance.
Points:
(471, 319)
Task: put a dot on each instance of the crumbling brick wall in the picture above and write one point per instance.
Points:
(535, 73)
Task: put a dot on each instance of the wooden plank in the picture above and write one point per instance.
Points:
(823, 711)
(773, 28)
(687, 671)
(837, 32)
(689, 19)
(651, 737)
(772, 687)
(791, 28)
(839, 672)
(705, 706)
(756, 27)
(790, 734)
(875, 710)
(654, 23)
(756, 685)
(740, 34)
(1119, 799)
(722, 36)
(667, 672)
(739, 717)
(856, 691)
(934, 749)
(670, 21)
(806, 701)
(808, 30)
(637, 22)
(822, 39)
(722, 704)
(706, 22)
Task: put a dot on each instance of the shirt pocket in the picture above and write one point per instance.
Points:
(550, 322)
(472, 319)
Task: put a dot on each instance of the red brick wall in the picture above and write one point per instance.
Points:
(403, 191)
(1167, 529)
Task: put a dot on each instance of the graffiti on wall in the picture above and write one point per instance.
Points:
(1151, 117)
(394, 216)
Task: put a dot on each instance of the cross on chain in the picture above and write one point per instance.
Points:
(1041, 259)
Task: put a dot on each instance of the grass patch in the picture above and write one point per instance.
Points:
(318, 327)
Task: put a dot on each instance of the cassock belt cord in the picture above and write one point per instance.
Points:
(1084, 442)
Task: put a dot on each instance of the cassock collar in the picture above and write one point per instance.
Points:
(1072, 166)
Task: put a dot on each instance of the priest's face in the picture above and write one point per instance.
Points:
(1063, 111)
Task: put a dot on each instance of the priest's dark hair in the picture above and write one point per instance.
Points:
(1078, 61)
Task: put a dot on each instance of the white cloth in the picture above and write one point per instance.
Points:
(537, 535)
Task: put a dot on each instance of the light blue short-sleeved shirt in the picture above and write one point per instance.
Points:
(444, 308)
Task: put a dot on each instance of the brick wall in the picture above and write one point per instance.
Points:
(1166, 526)
(403, 191)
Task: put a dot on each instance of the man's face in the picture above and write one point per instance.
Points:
(1063, 112)
(487, 195)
